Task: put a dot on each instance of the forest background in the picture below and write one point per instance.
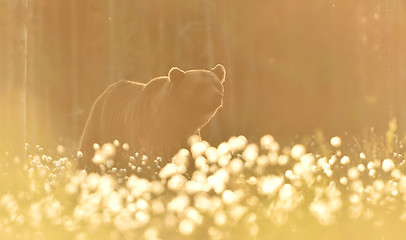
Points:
(292, 66)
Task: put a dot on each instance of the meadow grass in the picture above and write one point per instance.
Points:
(324, 188)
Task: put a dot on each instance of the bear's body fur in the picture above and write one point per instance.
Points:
(154, 119)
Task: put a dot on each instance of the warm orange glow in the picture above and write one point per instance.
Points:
(305, 142)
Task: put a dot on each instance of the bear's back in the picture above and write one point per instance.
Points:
(111, 104)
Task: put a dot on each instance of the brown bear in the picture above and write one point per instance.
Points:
(154, 119)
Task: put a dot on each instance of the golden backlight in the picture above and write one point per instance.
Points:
(307, 139)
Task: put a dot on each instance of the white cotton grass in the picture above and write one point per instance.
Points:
(220, 218)
(236, 183)
(361, 167)
(402, 185)
(60, 149)
(199, 147)
(169, 170)
(152, 233)
(388, 165)
(353, 173)
(104, 154)
(186, 227)
(229, 197)
(335, 142)
(332, 160)
(324, 208)
(178, 204)
(298, 151)
(96, 146)
(344, 180)
(126, 146)
(396, 174)
(177, 182)
(223, 149)
(79, 154)
(269, 185)
(236, 166)
(238, 144)
(250, 154)
(283, 160)
(370, 165)
(345, 160)
(268, 142)
(194, 215)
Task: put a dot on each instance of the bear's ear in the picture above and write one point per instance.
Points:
(220, 72)
(176, 75)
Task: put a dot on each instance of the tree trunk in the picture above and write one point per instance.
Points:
(15, 32)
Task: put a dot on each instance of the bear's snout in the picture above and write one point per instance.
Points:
(215, 100)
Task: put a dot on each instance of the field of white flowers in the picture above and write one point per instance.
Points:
(239, 190)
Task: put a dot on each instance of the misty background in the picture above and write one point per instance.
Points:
(292, 66)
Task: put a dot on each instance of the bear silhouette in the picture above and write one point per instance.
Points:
(153, 119)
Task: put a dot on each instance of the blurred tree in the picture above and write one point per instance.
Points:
(13, 74)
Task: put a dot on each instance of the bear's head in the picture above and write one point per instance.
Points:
(199, 92)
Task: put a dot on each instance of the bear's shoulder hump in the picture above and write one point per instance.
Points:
(125, 84)
(157, 83)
